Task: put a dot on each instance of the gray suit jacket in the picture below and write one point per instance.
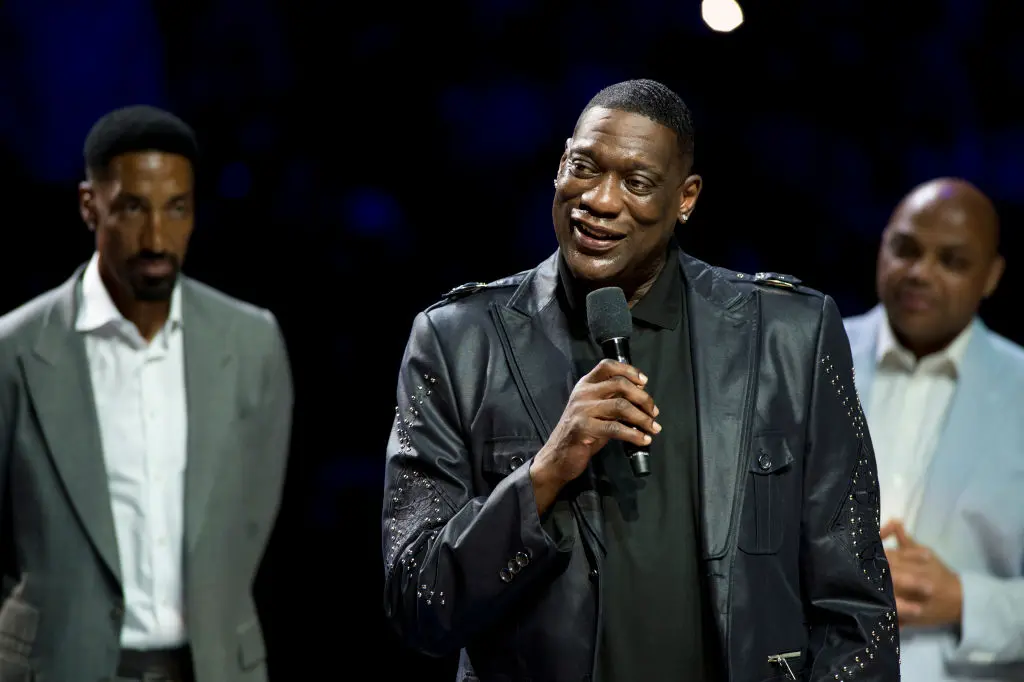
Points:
(62, 598)
(972, 513)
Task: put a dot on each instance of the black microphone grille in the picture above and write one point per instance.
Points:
(608, 314)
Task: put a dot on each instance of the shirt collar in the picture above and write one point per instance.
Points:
(891, 353)
(661, 306)
(96, 308)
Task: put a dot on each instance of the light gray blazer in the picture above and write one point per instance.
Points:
(62, 597)
(972, 513)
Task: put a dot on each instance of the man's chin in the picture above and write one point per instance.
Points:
(153, 289)
(593, 269)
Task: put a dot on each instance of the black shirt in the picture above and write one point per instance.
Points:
(652, 595)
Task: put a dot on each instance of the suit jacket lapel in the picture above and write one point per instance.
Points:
(210, 387)
(537, 338)
(964, 431)
(60, 389)
(725, 348)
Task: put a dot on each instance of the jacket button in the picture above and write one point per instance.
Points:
(764, 461)
(522, 560)
(593, 574)
(516, 462)
(505, 575)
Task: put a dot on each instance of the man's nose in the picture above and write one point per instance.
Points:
(152, 237)
(603, 198)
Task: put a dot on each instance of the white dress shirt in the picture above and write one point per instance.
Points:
(907, 410)
(139, 388)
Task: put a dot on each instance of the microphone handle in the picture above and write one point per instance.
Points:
(639, 458)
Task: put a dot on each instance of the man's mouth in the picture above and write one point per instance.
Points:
(595, 232)
(915, 301)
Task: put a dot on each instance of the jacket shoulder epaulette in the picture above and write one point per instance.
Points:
(464, 290)
(470, 288)
(772, 279)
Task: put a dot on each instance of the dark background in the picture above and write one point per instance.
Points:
(363, 158)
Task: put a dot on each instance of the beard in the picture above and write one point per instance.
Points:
(153, 287)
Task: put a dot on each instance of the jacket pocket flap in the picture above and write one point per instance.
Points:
(770, 454)
(505, 455)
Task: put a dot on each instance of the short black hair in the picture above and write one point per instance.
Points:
(652, 100)
(137, 129)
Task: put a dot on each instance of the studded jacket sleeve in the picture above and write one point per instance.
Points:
(851, 607)
(456, 556)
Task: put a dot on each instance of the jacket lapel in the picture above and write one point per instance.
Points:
(537, 339)
(210, 387)
(968, 427)
(57, 379)
(724, 334)
(539, 342)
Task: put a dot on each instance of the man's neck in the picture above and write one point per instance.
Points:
(649, 276)
(640, 291)
(924, 349)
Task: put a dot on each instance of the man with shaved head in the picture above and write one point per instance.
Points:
(943, 395)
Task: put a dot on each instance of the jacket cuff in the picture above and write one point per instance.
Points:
(553, 531)
(981, 603)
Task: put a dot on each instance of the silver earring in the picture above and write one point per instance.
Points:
(685, 217)
(556, 182)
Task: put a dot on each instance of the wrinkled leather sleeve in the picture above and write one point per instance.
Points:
(852, 613)
(456, 559)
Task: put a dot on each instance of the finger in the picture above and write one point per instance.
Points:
(888, 529)
(606, 369)
(917, 555)
(907, 610)
(620, 386)
(897, 557)
(620, 409)
(910, 586)
(903, 537)
(618, 431)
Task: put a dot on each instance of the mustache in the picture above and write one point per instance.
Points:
(154, 257)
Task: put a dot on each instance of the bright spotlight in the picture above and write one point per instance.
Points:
(721, 15)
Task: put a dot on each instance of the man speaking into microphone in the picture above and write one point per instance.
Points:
(702, 507)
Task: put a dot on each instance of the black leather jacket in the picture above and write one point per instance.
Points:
(789, 496)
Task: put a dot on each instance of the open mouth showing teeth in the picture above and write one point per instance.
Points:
(595, 233)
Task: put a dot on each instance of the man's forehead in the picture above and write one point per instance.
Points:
(616, 122)
(610, 131)
(937, 233)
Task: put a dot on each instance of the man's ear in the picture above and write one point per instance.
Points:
(87, 205)
(688, 197)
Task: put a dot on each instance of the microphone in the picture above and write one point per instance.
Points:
(611, 324)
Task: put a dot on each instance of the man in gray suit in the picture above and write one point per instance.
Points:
(144, 429)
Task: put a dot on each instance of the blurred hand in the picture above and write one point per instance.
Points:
(928, 593)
